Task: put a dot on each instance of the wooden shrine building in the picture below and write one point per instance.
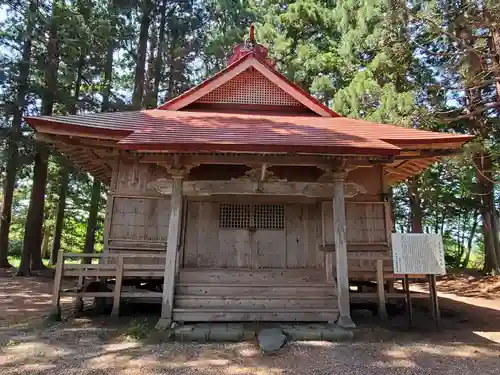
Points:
(247, 198)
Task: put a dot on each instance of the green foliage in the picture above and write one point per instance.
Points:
(380, 60)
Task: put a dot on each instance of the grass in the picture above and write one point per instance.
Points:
(138, 329)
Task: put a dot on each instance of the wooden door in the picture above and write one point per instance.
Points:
(268, 236)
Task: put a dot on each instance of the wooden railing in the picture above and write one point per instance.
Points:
(380, 273)
(113, 266)
(110, 266)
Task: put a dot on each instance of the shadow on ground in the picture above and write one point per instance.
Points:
(129, 345)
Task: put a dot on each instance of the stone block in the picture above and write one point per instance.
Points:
(271, 340)
(192, 333)
(336, 333)
(226, 332)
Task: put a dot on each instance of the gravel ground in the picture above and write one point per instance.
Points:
(84, 347)
(469, 343)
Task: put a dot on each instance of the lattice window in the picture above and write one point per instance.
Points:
(246, 216)
(234, 216)
(269, 216)
(250, 87)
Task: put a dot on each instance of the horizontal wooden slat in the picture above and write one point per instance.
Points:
(71, 266)
(261, 276)
(84, 255)
(359, 247)
(129, 240)
(148, 267)
(203, 289)
(290, 315)
(146, 293)
(87, 294)
(90, 273)
(132, 254)
(254, 302)
(374, 297)
(143, 274)
(146, 248)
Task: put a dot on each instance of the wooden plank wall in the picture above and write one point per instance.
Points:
(138, 216)
(295, 246)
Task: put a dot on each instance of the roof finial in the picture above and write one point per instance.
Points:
(252, 34)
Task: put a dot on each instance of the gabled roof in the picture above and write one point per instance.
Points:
(211, 131)
(248, 61)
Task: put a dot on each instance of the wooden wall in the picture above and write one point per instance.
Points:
(137, 221)
(294, 246)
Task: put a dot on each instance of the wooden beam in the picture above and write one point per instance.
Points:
(340, 231)
(421, 154)
(56, 291)
(250, 187)
(174, 227)
(382, 311)
(118, 287)
(75, 141)
(329, 255)
(326, 161)
(55, 130)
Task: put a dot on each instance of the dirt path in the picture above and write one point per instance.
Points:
(24, 299)
(467, 344)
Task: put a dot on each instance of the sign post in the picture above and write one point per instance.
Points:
(417, 254)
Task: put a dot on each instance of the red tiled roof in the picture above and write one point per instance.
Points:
(212, 131)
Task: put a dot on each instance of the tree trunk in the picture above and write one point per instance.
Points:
(33, 228)
(61, 206)
(14, 137)
(470, 240)
(45, 242)
(141, 55)
(158, 62)
(149, 90)
(92, 219)
(415, 205)
(34, 220)
(64, 170)
(484, 184)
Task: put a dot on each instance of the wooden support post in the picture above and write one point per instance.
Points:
(118, 287)
(329, 255)
(56, 292)
(340, 231)
(382, 312)
(436, 315)
(79, 299)
(409, 308)
(174, 227)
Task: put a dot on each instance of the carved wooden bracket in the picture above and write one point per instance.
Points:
(178, 170)
(245, 187)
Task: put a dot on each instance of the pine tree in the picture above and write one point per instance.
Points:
(22, 88)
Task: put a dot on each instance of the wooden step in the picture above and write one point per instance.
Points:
(255, 315)
(271, 290)
(252, 276)
(252, 302)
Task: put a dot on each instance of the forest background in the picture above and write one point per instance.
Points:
(429, 64)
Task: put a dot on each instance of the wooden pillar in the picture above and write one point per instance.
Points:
(340, 232)
(329, 255)
(56, 292)
(174, 227)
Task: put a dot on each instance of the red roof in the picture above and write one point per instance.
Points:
(211, 131)
(169, 128)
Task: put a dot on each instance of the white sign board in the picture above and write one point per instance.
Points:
(418, 253)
